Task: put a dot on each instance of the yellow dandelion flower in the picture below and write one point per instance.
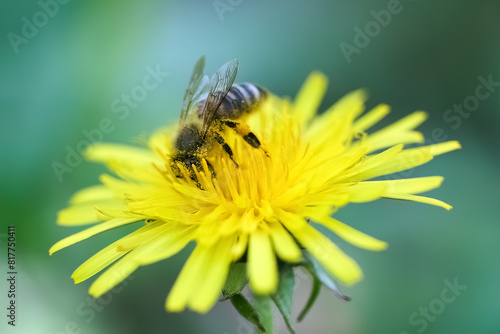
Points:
(262, 211)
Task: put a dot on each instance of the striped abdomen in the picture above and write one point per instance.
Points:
(240, 99)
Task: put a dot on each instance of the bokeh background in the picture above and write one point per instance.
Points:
(63, 77)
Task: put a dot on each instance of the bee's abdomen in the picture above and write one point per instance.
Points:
(240, 99)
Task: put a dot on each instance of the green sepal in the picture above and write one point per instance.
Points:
(316, 288)
(243, 306)
(283, 295)
(264, 306)
(320, 273)
(236, 280)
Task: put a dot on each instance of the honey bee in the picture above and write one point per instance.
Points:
(209, 108)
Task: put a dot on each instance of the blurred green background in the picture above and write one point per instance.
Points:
(62, 78)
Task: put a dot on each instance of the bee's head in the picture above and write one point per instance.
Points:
(188, 163)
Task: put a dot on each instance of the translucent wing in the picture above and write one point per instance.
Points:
(193, 87)
(220, 84)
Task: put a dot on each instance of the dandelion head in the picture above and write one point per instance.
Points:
(262, 211)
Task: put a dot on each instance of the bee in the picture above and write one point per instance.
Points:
(209, 108)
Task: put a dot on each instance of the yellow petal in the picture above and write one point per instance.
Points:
(117, 185)
(86, 213)
(230, 225)
(394, 138)
(148, 232)
(422, 199)
(351, 103)
(104, 257)
(213, 278)
(167, 214)
(161, 140)
(309, 97)
(371, 163)
(351, 235)
(284, 245)
(97, 262)
(262, 266)
(107, 225)
(249, 221)
(189, 278)
(126, 161)
(366, 192)
(409, 186)
(332, 129)
(406, 123)
(113, 276)
(399, 162)
(410, 158)
(156, 248)
(92, 194)
(105, 152)
(371, 118)
(135, 171)
(333, 168)
(330, 256)
(118, 211)
(164, 245)
(240, 246)
(398, 132)
(441, 148)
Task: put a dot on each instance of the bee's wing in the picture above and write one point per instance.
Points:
(193, 87)
(220, 84)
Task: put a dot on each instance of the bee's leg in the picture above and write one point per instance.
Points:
(225, 146)
(211, 169)
(243, 130)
